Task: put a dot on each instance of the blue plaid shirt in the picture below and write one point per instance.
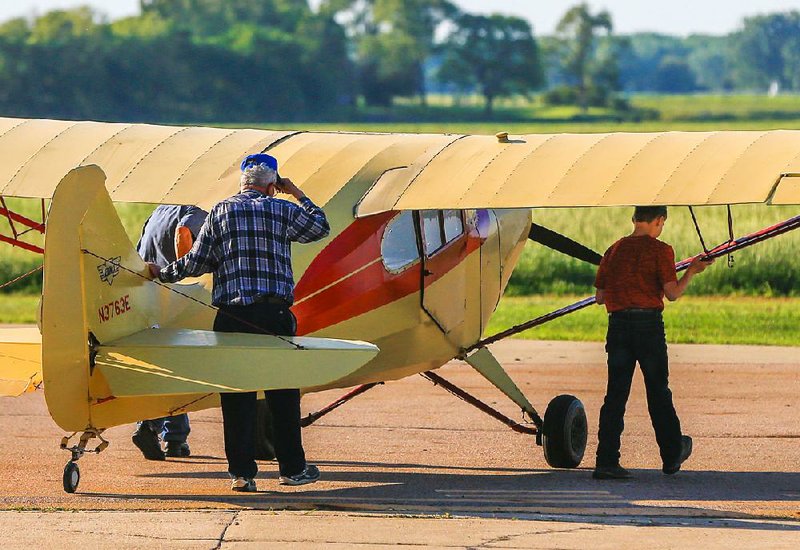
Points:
(246, 243)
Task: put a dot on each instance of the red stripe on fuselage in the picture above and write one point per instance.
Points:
(353, 289)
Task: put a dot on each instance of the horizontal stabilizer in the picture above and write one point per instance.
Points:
(178, 361)
(20, 360)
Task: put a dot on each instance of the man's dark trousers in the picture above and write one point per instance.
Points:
(637, 335)
(239, 409)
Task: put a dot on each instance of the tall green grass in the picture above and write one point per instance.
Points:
(16, 261)
(771, 268)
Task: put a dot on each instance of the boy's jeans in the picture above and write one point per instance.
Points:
(637, 336)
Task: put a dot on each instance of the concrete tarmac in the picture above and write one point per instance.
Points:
(407, 463)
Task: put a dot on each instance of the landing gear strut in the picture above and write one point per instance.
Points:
(72, 473)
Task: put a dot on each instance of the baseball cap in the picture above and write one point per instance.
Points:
(260, 158)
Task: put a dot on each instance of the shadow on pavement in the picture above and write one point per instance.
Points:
(521, 493)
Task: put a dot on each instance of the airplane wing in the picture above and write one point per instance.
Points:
(20, 360)
(178, 361)
(197, 165)
(583, 170)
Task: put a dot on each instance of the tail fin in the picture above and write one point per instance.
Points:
(102, 367)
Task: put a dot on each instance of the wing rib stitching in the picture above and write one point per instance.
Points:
(576, 161)
(195, 161)
(630, 161)
(179, 130)
(529, 155)
(683, 161)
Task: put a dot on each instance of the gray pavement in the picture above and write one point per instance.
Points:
(407, 463)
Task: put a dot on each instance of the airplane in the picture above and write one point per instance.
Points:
(425, 233)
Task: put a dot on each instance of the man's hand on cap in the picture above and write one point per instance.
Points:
(287, 186)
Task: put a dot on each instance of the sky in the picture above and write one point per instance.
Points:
(679, 17)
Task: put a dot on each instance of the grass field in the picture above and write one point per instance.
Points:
(696, 320)
(690, 320)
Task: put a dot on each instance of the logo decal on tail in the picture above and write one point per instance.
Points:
(109, 269)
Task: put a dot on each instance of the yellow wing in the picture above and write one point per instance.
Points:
(195, 165)
(20, 360)
(573, 170)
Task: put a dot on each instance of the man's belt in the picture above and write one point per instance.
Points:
(270, 299)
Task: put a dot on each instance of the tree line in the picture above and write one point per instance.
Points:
(251, 60)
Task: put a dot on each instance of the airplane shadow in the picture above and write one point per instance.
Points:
(524, 494)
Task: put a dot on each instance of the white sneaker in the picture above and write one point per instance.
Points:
(243, 485)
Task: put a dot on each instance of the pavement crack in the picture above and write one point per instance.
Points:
(509, 538)
(225, 530)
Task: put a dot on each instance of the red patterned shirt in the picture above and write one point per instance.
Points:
(633, 273)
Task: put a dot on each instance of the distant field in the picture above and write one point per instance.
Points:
(695, 320)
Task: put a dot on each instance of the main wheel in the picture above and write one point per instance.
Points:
(72, 476)
(565, 432)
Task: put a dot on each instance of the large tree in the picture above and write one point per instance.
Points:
(392, 40)
(766, 51)
(578, 30)
(497, 54)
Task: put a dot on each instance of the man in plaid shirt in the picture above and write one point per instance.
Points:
(246, 244)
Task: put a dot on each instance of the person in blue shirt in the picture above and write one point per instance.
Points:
(246, 244)
(167, 235)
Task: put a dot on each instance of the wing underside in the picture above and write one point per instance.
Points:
(196, 165)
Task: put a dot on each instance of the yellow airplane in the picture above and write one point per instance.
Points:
(425, 233)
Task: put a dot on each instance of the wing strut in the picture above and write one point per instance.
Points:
(723, 249)
(565, 245)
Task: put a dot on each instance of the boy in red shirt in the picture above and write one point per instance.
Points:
(632, 280)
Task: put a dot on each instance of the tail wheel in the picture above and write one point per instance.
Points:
(72, 476)
(565, 432)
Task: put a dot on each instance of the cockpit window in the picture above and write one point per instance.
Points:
(432, 230)
(440, 227)
(399, 245)
(453, 225)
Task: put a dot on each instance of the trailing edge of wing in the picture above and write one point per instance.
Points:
(176, 361)
(20, 360)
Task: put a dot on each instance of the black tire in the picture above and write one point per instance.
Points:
(565, 432)
(72, 476)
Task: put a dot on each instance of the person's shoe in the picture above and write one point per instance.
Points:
(670, 468)
(243, 485)
(611, 472)
(309, 475)
(178, 449)
(147, 441)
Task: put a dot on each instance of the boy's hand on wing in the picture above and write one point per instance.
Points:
(700, 264)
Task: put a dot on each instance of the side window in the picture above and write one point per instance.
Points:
(399, 244)
(432, 231)
(453, 225)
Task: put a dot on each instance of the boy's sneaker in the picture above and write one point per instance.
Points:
(178, 449)
(147, 441)
(309, 475)
(670, 468)
(611, 472)
(243, 485)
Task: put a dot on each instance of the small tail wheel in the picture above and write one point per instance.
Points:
(72, 476)
(565, 432)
